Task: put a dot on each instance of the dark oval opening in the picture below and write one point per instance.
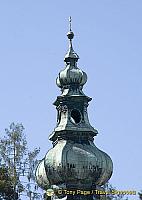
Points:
(75, 116)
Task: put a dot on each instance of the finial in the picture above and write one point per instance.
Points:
(70, 20)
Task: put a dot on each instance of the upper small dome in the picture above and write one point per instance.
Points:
(71, 76)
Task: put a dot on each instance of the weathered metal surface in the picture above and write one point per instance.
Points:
(77, 164)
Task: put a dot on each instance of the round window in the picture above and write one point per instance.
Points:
(75, 116)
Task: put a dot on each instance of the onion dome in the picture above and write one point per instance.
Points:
(71, 76)
(69, 162)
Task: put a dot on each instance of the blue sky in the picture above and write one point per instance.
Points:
(108, 39)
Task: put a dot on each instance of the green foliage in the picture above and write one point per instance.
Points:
(6, 185)
(17, 162)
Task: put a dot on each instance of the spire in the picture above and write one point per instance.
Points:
(71, 55)
(71, 78)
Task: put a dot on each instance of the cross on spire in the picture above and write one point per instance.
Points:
(70, 20)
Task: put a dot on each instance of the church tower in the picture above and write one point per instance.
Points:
(74, 164)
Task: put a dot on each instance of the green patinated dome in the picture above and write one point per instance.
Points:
(71, 76)
(69, 162)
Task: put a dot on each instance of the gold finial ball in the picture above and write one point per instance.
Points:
(70, 35)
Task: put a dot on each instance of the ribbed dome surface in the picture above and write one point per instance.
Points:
(71, 76)
(70, 162)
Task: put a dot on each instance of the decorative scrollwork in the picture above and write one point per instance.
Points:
(62, 108)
